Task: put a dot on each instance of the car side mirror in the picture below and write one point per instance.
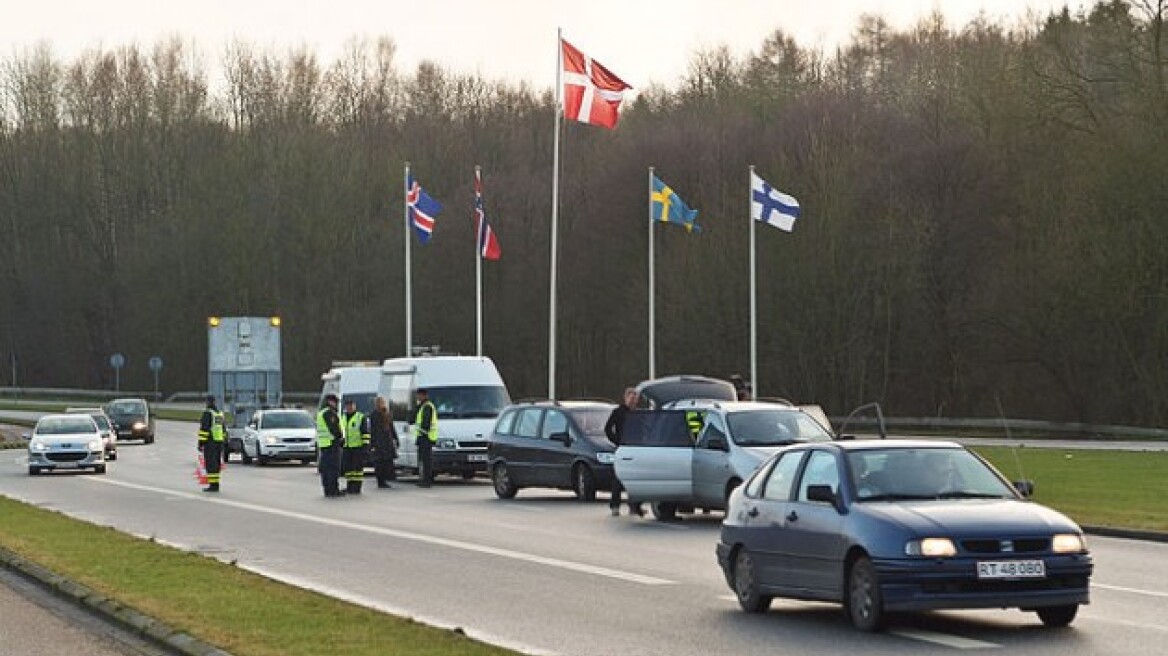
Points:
(1025, 488)
(822, 493)
(717, 443)
(562, 438)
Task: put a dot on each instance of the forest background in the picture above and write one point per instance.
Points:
(985, 216)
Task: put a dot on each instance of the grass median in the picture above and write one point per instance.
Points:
(240, 612)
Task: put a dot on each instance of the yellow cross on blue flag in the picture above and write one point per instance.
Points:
(668, 207)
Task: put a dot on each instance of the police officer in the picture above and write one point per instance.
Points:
(425, 435)
(694, 419)
(328, 442)
(212, 440)
(356, 428)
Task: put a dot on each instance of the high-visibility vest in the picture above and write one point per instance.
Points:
(217, 432)
(694, 420)
(355, 435)
(324, 437)
(433, 434)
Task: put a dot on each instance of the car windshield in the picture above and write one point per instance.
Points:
(472, 402)
(364, 403)
(65, 425)
(591, 420)
(897, 474)
(287, 420)
(127, 408)
(102, 421)
(774, 427)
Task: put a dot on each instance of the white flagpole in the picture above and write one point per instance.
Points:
(409, 283)
(478, 264)
(652, 286)
(753, 290)
(555, 216)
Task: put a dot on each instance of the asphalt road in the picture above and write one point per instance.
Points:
(542, 572)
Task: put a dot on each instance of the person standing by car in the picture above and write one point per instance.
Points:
(383, 443)
(614, 430)
(425, 435)
(212, 440)
(328, 442)
(356, 443)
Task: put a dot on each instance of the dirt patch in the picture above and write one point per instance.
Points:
(10, 434)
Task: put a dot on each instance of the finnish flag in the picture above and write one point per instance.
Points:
(772, 206)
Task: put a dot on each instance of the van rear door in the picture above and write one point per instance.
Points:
(398, 388)
(655, 459)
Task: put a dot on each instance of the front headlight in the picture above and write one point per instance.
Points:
(38, 446)
(94, 445)
(271, 439)
(447, 443)
(605, 458)
(138, 425)
(1068, 543)
(930, 548)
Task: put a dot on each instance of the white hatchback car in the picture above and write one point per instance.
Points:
(65, 442)
(280, 434)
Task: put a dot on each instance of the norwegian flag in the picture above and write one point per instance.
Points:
(488, 244)
(423, 209)
(592, 94)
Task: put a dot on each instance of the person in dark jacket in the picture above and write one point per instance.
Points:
(213, 443)
(425, 435)
(383, 443)
(328, 441)
(614, 430)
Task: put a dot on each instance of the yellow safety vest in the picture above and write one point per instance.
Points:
(433, 435)
(354, 435)
(324, 437)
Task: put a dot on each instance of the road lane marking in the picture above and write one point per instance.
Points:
(582, 568)
(1119, 588)
(943, 639)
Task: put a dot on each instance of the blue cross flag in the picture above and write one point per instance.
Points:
(668, 207)
(772, 206)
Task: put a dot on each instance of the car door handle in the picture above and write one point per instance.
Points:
(753, 512)
(627, 458)
(792, 516)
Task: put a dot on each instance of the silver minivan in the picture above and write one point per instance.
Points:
(663, 462)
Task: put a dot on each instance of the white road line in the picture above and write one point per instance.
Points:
(583, 568)
(944, 639)
(1119, 588)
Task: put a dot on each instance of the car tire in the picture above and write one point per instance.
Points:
(260, 458)
(112, 455)
(746, 584)
(100, 469)
(584, 483)
(501, 479)
(865, 605)
(34, 471)
(149, 439)
(1058, 616)
(243, 456)
(665, 511)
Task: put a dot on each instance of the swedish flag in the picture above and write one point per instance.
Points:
(668, 207)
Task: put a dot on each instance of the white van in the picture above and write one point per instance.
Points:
(355, 381)
(468, 393)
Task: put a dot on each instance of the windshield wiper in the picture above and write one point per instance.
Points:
(897, 497)
(958, 494)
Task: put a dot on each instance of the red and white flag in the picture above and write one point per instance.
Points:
(592, 94)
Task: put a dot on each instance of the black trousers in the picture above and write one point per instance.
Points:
(384, 468)
(425, 461)
(353, 463)
(329, 465)
(213, 459)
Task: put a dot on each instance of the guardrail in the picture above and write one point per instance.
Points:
(49, 394)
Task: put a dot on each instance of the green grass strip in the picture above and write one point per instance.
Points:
(1118, 489)
(238, 611)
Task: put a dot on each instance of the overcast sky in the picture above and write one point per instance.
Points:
(643, 41)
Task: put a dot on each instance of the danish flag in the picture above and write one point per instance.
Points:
(488, 244)
(592, 94)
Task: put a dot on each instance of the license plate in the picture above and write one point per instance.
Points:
(1011, 569)
(67, 465)
(477, 457)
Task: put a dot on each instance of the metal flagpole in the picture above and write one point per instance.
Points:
(479, 221)
(652, 286)
(555, 215)
(753, 290)
(409, 300)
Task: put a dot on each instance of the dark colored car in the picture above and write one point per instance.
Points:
(659, 391)
(889, 525)
(132, 419)
(557, 444)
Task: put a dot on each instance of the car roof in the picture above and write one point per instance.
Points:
(729, 406)
(567, 404)
(92, 411)
(65, 416)
(894, 443)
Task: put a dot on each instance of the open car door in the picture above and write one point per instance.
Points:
(655, 459)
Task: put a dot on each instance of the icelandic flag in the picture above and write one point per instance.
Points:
(772, 206)
(488, 244)
(668, 207)
(422, 208)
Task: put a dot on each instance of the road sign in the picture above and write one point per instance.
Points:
(117, 360)
(155, 364)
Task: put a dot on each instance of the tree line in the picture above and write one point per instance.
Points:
(985, 219)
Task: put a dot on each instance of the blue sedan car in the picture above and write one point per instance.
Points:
(889, 525)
